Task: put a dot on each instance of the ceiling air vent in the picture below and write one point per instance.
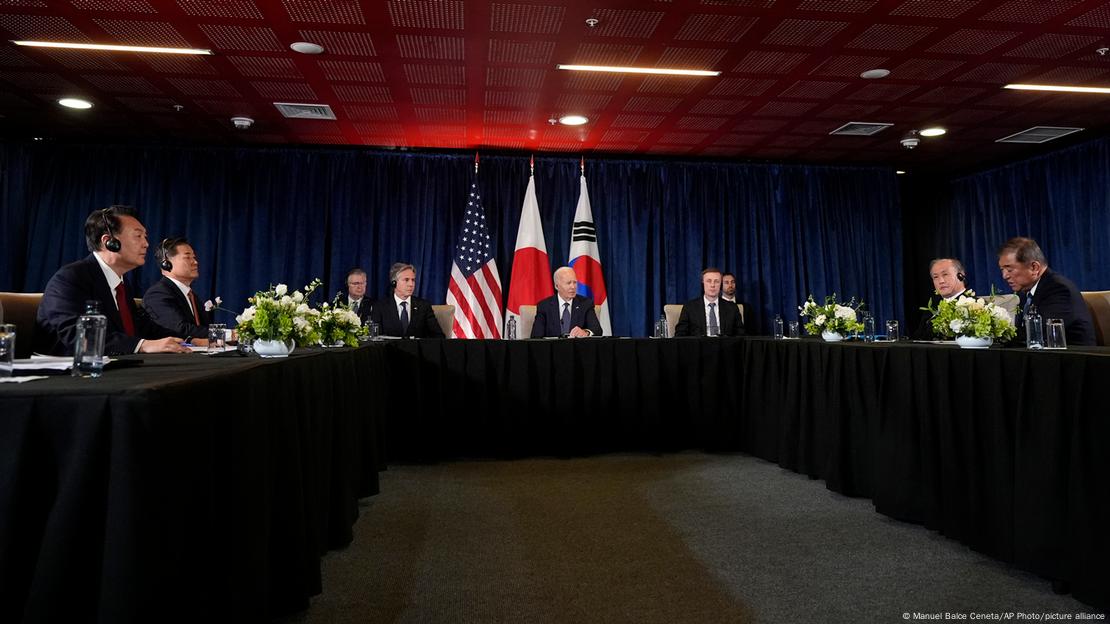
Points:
(861, 128)
(305, 111)
(1038, 134)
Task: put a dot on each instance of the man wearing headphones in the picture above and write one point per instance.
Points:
(949, 282)
(1025, 268)
(401, 314)
(117, 242)
(171, 301)
(709, 314)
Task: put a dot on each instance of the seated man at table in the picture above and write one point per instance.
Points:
(118, 244)
(1025, 269)
(171, 301)
(949, 282)
(402, 314)
(709, 315)
(566, 313)
(356, 295)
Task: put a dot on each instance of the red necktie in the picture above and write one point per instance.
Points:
(124, 310)
(193, 303)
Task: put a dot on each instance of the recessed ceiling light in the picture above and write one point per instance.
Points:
(900, 172)
(639, 70)
(306, 47)
(873, 74)
(110, 48)
(573, 120)
(75, 103)
(931, 132)
(1064, 88)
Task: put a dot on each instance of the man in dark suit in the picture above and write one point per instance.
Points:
(728, 293)
(402, 314)
(1025, 269)
(171, 301)
(709, 315)
(118, 244)
(949, 282)
(356, 294)
(566, 313)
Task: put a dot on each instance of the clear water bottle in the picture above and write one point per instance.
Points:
(88, 349)
(1034, 330)
(510, 328)
(868, 327)
(664, 329)
(778, 327)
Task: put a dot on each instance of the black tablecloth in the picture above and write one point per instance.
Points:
(187, 489)
(1000, 449)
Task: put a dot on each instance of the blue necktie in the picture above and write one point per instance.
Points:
(714, 328)
(404, 317)
(565, 321)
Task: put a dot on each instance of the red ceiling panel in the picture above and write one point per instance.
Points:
(480, 73)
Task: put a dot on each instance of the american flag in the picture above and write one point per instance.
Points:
(475, 288)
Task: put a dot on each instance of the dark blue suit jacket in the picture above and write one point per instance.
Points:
(63, 301)
(1057, 297)
(549, 312)
(422, 320)
(169, 308)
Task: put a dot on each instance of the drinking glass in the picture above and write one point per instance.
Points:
(792, 329)
(216, 337)
(892, 331)
(7, 350)
(1054, 337)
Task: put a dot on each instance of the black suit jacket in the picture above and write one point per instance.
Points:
(691, 322)
(1057, 297)
(549, 312)
(63, 301)
(422, 321)
(169, 308)
(365, 308)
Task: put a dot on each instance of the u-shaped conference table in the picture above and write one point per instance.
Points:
(189, 486)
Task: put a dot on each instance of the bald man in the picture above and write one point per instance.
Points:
(567, 314)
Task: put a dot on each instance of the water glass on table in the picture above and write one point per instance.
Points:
(892, 331)
(792, 330)
(216, 337)
(7, 350)
(1054, 334)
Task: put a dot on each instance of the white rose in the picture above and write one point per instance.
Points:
(1000, 313)
(299, 322)
(302, 308)
(286, 300)
(281, 289)
(246, 316)
(844, 312)
(298, 297)
(820, 320)
(956, 325)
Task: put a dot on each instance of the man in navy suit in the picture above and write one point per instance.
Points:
(356, 295)
(1025, 269)
(171, 302)
(118, 244)
(709, 315)
(566, 313)
(402, 314)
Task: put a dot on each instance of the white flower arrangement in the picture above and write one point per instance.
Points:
(338, 324)
(831, 317)
(276, 315)
(971, 316)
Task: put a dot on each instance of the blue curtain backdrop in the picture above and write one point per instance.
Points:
(258, 215)
(1061, 199)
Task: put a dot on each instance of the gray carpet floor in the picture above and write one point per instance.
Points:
(636, 538)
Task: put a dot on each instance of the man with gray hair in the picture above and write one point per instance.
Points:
(1025, 269)
(949, 281)
(566, 313)
(402, 314)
